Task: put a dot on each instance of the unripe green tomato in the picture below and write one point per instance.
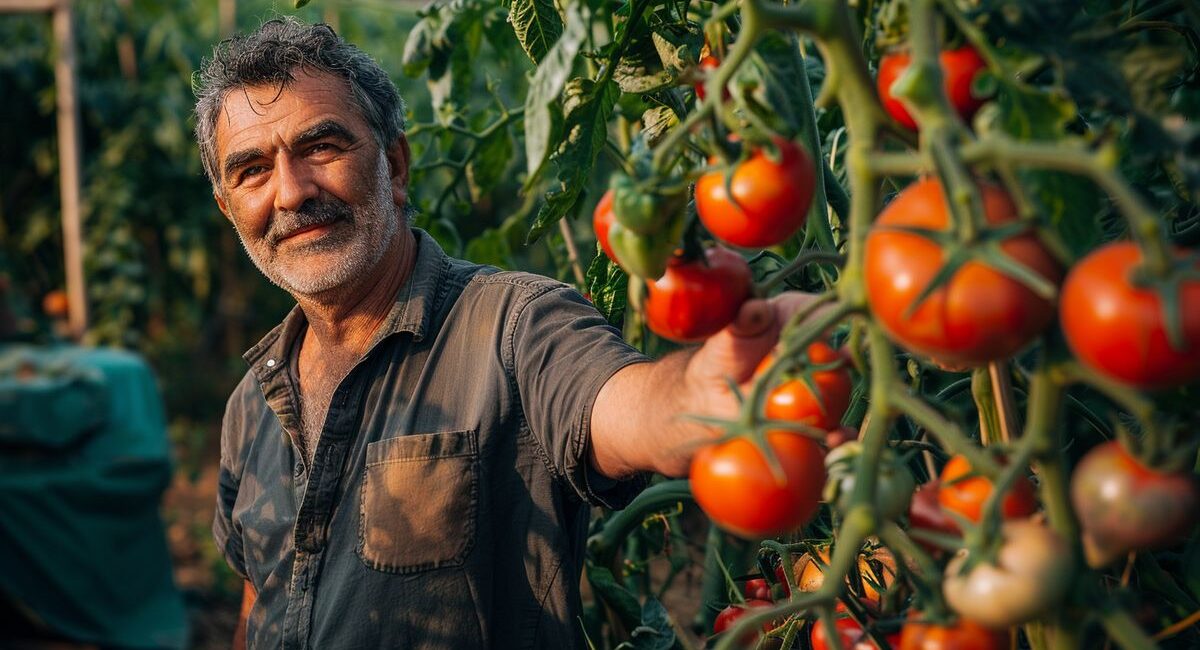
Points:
(645, 255)
(894, 484)
(641, 210)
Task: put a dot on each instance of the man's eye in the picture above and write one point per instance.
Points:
(253, 170)
(320, 147)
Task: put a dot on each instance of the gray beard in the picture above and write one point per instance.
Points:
(363, 241)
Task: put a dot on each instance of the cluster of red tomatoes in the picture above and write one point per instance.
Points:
(982, 308)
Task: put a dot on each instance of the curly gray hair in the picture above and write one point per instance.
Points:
(270, 55)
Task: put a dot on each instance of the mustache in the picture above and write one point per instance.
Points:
(311, 213)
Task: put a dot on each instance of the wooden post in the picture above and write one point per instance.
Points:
(69, 156)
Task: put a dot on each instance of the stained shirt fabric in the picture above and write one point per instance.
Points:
(448, 498)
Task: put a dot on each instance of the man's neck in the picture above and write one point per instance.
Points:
(345, 322)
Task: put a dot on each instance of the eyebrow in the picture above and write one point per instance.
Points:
(319, 131)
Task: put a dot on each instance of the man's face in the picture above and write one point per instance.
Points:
(314, 199)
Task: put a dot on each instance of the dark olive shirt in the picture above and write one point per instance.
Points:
(448, 499)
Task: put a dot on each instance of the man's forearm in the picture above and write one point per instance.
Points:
(638, 423)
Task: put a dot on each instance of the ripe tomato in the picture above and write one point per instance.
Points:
(602, 220)
(926, 513)
(695, 299)
(1118, 328)
(757, 589)
(1031, 574)
(979, 314)
(733, 484)
(964, 634)
(966, 496)
(706, 66)
(770, 199)
(1123, 505)
(794, 401)
(851, 634)
(735, 611)
(874, 579)
(959, 68)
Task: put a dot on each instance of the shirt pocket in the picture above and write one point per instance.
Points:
(419, 499)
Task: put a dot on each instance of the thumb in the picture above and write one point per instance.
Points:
(754, 318)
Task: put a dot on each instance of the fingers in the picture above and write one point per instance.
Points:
(753, 319)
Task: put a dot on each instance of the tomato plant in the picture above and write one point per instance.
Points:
(963, 493)
(734, 484)
(979, 314)
(766, 200)
(1125, 506)
(795, 400)
(959, 67)
(1119, 328)
(697, 298)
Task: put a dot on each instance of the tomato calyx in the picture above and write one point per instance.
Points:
(984, 249)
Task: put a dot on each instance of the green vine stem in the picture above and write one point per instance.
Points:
(605, 545)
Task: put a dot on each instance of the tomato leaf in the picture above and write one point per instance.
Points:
(545, 89)
(608, 286)
(655, 632)
(537, 26)
(587, 110)
(614, 594)
(487, 166)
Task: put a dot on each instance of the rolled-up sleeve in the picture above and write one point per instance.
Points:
(564, 353)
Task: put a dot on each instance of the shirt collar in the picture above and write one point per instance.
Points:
(414, 306)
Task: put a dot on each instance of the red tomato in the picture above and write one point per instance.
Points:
(733, 484)
(697, 298)
(1118, 328)
(851, 634)
(1124, 506)
(706, 65)
(966, 496)
(770, 199)
(757, 589)
(979, 314)
(602, 219)
(925, 512)
(782, 580)
(964, 634)
(959, 68)
(735, 611)
(795, 402)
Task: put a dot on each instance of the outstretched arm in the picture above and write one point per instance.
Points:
(637, 421)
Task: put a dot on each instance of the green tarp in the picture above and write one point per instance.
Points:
(84, 460)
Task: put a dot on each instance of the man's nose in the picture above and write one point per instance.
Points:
(294, 184)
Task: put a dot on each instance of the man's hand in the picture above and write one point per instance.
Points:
(638, 423)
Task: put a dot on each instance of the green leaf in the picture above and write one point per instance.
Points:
(616, 596)
(656, 122)
(544, 91)
(609, 288)
(491, 159)
(640, 69)
(1072, 206)
(418, 48)
(300, 3)
(587, 109)
(537, 26)
(655, 632)
(678, 46)
(1027, 113)
(490, 247)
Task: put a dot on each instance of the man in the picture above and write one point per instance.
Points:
(410, 460)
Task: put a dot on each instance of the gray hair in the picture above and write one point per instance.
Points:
(270, 55)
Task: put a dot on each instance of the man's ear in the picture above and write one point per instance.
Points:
(222, 205)
(398, 157)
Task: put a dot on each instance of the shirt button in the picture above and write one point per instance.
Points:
(299, 470)
(270, 363)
